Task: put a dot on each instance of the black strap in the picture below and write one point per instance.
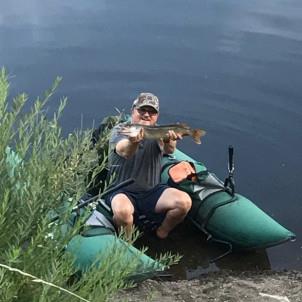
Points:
(210, 237)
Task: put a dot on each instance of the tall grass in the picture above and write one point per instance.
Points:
(39, 171)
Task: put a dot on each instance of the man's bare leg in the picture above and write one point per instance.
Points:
(123, 210)
(176, 204)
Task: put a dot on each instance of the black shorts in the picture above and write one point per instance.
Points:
(144, 204)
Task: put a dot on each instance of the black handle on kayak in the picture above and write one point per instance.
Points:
(90, 200)
(229, 182)
(231, 154)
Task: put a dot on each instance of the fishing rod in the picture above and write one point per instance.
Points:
(97, 197)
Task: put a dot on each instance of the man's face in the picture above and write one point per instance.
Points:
(145, 115)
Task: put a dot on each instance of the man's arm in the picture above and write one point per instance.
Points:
(127, 147)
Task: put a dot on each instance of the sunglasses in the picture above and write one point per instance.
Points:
(150, 111)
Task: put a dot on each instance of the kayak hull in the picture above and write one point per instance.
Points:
(100, 247)
(233, 219)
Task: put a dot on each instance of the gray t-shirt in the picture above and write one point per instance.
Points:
(144, 166)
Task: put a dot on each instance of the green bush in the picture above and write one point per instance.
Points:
(39, 171)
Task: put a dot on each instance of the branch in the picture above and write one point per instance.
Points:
(36, 279)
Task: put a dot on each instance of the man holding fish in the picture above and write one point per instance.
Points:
(136, 152)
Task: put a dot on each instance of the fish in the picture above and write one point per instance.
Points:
(161, 132)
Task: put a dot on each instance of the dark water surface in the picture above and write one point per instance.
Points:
(231, 67)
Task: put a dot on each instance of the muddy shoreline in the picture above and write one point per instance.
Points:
(240, 276)
(221, 286)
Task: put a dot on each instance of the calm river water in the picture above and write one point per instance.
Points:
(231, 67)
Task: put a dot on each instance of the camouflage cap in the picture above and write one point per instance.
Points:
(146, 99)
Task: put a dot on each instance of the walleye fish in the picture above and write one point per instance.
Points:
(161, 132)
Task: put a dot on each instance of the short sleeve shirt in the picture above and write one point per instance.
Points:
(144, 166)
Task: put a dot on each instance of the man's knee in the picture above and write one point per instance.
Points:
(174, 199)
(184, 201)
(122, 208)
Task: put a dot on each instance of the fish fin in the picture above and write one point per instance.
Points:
(197, 134)
(184, 125)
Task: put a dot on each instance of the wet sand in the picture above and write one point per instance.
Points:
(262, 286)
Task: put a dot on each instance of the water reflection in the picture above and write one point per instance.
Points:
(199, 255)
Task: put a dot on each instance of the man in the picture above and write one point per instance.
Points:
(146, 200)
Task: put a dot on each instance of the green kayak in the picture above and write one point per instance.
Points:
(225, 217)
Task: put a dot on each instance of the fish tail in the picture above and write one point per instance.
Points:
(197, 134)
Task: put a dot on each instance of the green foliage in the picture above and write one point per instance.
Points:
(40, 172)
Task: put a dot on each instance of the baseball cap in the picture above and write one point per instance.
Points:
(146, 99)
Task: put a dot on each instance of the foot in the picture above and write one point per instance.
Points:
(160, 233)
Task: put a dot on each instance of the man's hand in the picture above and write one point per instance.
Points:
(137, 137)
(172, 136)
(128, 146)
(170, 141)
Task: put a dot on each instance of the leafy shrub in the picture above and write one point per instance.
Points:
(39, 171)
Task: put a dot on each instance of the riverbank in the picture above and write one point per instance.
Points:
(249, 286)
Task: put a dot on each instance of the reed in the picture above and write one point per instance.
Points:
(42, 171)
